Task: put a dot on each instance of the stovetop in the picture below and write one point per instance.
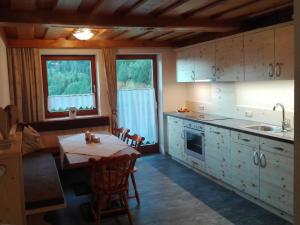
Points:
(202, 116)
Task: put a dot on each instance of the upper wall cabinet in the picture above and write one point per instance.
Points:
(185, 66)
(259, 55)
(269, 54)
(205, 68)
(230, 59)
(284, 53)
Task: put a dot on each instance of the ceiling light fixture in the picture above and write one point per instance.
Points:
(83, 34)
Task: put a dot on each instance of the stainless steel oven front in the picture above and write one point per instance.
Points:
(194, 140)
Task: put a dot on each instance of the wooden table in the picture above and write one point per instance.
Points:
(74, 160)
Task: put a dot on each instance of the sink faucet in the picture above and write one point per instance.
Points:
(285, 122)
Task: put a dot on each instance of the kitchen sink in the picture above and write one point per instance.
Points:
(266, 128)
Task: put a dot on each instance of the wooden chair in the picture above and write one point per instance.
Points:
(109, 179)
(121, 133)
(135, 141)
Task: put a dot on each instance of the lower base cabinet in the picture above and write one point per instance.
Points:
(257, 166)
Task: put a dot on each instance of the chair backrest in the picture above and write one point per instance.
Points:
(121, 133)
(134, 141)
(110, 174)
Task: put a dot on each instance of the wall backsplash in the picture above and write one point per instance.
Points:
(236, 99)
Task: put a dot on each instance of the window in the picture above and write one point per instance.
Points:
(69, 81)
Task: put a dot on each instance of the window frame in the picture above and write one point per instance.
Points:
(92, 59)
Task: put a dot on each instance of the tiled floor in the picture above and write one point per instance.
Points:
(172, 194)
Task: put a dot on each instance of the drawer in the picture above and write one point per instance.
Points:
(278, 147)
(175, 121)
(217, 135)
(245, 139)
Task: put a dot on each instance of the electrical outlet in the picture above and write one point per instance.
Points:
(249, 113)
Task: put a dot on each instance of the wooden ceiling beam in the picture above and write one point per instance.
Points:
(174, 5)
(140, 35)
(28, 5)
(67, 6)
(202, 8)
(16, 43)
(25, 32)
(9, 17)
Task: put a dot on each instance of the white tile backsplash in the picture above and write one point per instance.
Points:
(235, 99)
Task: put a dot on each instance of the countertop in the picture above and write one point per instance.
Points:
(236, 124)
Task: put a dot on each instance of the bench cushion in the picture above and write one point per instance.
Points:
(42, 185)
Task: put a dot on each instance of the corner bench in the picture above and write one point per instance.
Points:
(42, 187)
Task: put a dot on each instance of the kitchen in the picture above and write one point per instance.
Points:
(237, 125)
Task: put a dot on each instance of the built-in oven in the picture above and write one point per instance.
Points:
(194, 139)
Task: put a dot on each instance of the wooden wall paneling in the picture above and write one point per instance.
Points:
(25, 32)
(27, 5)
(253, 8)
(284, 53)
(187, 7)
(67, 6)
(107, 7)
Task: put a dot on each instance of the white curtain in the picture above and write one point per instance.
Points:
(137, 111)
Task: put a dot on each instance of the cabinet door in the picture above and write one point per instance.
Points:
(245, 168)
(259, 55)
(205, 62)
(284, 53)
(185, 66)
(230, 59)
(175, 137)
(276, 180)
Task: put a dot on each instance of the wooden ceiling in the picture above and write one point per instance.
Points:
(126, 23)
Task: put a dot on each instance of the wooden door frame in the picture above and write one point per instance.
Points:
(154, 148)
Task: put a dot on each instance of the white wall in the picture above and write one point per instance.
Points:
(4, 85)
(234, 99)
(171, 94)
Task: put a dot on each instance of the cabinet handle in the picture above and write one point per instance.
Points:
(246, 140)
(182, 134)
(216, 132)
(278, 148)
(255, 158)
(214, 70)
(193, 75)
(263, 161)
(2, 170)
(271, 70)
(277, 70)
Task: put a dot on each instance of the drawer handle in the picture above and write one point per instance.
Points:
(278, 148)
(216, 132)
(263, 161)
(246, 140)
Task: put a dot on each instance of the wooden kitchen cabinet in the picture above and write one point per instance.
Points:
(230, 59)
(284, 53)
(205, 62)
(259, 55)
(276, 174)
(175, 137)
(217, 153)
(185, 70)
(269, 55)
